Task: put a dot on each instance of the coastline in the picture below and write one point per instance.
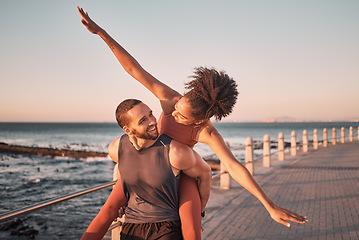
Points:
(52, 152)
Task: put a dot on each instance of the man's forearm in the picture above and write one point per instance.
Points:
(99, 225)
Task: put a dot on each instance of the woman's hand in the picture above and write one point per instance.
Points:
(282, 216)
(87, 21)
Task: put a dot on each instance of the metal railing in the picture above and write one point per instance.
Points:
(53, 201)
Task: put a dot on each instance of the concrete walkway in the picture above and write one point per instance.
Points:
(322, 184)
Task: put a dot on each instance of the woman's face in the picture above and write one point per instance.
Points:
(183, 112)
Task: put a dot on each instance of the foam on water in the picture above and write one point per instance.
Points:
(27, 180)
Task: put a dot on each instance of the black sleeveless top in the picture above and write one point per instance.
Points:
(148, 182)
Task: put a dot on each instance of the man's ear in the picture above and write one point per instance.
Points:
(127, 130)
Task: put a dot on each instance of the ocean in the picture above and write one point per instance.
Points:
(28, 179)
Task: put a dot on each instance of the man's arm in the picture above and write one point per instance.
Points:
(109, 211)
(214, 140)
(184, 158)
(167, 96)
(113, 149)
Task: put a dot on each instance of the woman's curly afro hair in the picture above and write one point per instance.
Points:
(211, 93)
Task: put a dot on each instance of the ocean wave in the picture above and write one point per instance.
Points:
(34, 181)
(97, 159)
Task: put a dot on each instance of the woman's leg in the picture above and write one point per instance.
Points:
(190, 208)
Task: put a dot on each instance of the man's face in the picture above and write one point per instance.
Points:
(142, 122)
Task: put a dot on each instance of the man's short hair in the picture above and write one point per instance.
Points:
(122, 109)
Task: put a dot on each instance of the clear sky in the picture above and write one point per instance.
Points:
(291, 59)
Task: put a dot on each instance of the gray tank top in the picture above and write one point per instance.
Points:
(148, 182)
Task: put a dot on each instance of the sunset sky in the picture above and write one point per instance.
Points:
(292, 60)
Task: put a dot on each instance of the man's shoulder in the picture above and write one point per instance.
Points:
(181, 155)
(117, 140)
(180, 150)
(113, 149)
(177, 146)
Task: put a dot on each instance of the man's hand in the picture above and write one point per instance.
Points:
(282, 216)
(87, 21)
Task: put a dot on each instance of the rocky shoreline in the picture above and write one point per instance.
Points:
(52, 152)
(212, 160)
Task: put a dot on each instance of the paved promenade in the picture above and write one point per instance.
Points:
(322, 184)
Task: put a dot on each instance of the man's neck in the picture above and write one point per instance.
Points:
(140, 143)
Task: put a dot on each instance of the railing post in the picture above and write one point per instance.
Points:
(334, 136)
(358, 133)
(315, 139)
(249, 155)
(115, 233)
(342, 135)
(225, 180)
(266, 151)
(325, 137)
(293, 144)
(351, 134)
(305, 141)
(280, 147)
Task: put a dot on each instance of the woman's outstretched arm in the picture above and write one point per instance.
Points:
(214, 140)
(164, 93)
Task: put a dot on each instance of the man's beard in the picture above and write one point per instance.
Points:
(146, 135)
